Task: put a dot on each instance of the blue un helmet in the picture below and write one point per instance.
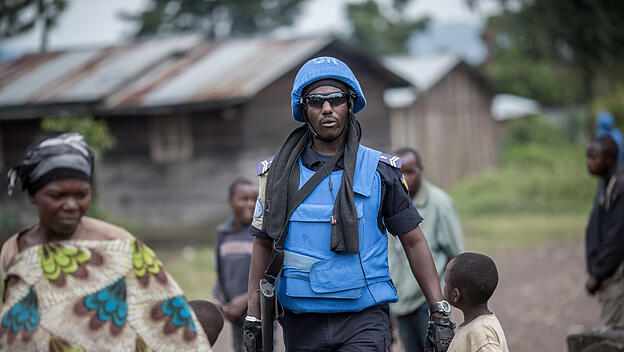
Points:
(319, 68)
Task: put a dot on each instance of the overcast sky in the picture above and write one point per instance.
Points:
(95, 22)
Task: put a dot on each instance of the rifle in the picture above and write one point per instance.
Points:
(267, 314)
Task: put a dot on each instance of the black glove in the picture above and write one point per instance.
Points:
(439, 334)
(252, 336)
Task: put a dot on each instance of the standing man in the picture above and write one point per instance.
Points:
(605, 232)
(320, 226)
(445, 238)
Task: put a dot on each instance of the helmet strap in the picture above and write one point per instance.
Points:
(311, 130)
(316, 135)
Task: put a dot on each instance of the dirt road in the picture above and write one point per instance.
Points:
(541, 299)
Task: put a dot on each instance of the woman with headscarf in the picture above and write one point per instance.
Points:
(74, 283)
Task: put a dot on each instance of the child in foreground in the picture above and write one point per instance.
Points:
(470, 282)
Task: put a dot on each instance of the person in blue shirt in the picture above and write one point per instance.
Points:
(325, 203)
(606, 126)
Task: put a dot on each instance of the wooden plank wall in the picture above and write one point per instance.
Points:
(452, 127)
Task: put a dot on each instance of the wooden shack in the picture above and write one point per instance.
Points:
(189, 116)
(446, 117)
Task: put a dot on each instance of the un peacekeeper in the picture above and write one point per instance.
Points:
(334, 283)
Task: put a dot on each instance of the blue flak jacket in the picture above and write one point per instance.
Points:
(315, 279)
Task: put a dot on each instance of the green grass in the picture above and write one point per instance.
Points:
(560, 185)
(192, 268)
(488, 233)
(540, 193)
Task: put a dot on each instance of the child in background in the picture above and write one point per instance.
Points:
(471, 279)
(233, 257)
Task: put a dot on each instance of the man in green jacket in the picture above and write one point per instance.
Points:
(443, 232)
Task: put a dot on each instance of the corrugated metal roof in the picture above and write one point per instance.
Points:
(83, 75)
(422, 71)
(235, 69)
(157, 74)
(38, 73)
(166, 71)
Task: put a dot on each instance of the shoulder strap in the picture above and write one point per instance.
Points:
(264, 166)
(276, 259)
(391, 160)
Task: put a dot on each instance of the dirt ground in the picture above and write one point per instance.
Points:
(539, 300)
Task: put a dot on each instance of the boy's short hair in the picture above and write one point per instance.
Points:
(475, 275)
(239, 181)
(608, 146)
(209, 317)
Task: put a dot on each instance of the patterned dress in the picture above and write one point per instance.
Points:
(93, 295)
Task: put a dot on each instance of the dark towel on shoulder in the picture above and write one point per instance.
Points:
(344, 233)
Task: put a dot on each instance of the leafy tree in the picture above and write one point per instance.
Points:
(215, 18)
(382, 33)
(521, 62)
(20, 16)
(612, 101)
(95, 132)
(576, 37)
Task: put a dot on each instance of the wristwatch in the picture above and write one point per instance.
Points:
(441, 307)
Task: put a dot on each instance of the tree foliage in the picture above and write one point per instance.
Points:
(215, 18)
(21, 16)
(382, 33)
(567, 50)
(520, 61)
(614, 102)
(95, 132)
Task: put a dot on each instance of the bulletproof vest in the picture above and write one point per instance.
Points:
(315, 279)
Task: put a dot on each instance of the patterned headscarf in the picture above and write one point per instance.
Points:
(57, 157)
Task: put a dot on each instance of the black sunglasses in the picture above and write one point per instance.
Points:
(316, 101)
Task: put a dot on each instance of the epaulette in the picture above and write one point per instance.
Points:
(391, 160)
(263, 166)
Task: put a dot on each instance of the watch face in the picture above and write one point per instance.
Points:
(442, 307)
(446, 307)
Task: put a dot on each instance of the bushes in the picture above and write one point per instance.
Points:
(540, 172)
(8, 223)
(614, 102)
(95, 132)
